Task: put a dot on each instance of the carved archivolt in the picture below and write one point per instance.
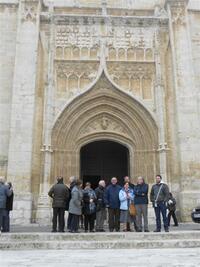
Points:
(104, 112)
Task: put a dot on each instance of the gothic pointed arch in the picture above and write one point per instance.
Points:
(105, 112)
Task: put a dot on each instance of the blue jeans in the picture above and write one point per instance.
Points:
(161, 209)
(6, 221)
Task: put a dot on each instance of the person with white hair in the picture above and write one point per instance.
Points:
(4, 193)
(101, 207)
(113, 204)
(141, 204)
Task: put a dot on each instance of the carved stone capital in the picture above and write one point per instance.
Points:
(46, 148)
(163, 147)
(29, 10)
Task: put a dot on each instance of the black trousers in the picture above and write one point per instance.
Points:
(173, 215)
(89, 220)
(74, 223)
(58, 216)
(114, 219)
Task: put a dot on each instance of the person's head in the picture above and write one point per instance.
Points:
(140, 180)
(2, 180)
(78, 183)
(114, 181)
(9, 185)
(102, 183)
(158, 178)
(88, 185)
(59, 180)
(126, 179)
(72, 179)
(126, 186)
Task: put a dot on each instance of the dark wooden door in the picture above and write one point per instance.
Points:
(104, 160)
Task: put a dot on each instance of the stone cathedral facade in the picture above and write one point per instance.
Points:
(75, 72)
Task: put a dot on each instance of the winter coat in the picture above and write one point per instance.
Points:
(9, 202)
(100, 193)
(124, 202)
(141, 194)
(4, 193)
(75, 204)
(89, 207)
(171, 204)
(112, 196)
(60, 194)
(163, 195)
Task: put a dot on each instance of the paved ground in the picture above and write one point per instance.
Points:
(36, 228)
(102, 258)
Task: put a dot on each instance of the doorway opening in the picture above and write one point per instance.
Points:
(103, 160)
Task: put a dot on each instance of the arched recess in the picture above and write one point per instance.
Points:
(105, 113)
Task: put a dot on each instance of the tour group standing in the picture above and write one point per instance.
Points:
(126, 205)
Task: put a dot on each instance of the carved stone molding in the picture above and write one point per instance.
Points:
(29, 10)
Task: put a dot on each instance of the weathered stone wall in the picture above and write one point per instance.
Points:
(57, 55)
(8, 28)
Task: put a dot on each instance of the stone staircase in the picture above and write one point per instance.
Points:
(29, 241)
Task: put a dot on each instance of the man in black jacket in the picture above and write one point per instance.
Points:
(9, 207)
(60, 194)
(101, 207)
(159, 197)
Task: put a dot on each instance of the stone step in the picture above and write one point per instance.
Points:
(114, 244)
(27, 241)
(180, 235)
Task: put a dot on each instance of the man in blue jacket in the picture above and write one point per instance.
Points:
(141, 204)
(113, 204)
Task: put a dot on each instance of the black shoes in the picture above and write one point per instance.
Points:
(157, 231)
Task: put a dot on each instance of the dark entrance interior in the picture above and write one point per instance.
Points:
(104, 160)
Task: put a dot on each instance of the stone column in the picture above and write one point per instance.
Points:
(160, 109)
(188, 122)
(44, 207)
(23, 108)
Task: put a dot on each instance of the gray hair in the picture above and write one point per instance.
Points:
(73, 179)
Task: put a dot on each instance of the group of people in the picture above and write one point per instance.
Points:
(125, 205)
(6, 204)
